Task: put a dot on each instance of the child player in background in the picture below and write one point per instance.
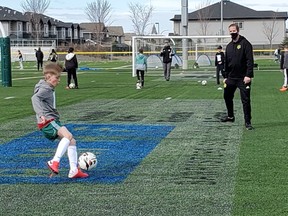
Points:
(48, 120)
(141, 67)
(219, 63)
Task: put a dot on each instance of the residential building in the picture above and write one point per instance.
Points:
(128, 38)
(116, 34)
(14, 23)
(40, 30)
(95, 32)
(261, 28)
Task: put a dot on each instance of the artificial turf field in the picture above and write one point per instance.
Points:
(161, 150)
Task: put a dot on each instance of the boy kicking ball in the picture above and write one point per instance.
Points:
(48, 121)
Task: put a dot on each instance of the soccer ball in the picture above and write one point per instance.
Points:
(138, 85)
(71, 85)
(87, 161)
(156, 67)
(204, 82)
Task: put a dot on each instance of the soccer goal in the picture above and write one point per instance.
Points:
(186, 49)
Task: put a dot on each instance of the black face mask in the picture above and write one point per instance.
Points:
(234, 35)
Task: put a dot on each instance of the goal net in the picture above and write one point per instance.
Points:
(189, 51)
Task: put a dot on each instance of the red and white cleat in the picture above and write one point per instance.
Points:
(78, 174)
(53, 166)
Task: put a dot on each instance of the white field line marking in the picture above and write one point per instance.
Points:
(125, 66)
(7, 98)
(25, 78)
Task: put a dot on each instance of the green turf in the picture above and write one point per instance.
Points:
(203, 167)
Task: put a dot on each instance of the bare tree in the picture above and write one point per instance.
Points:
(35, 8)
(99, 13)
(140, 16)
(270, 29)
(204, 14)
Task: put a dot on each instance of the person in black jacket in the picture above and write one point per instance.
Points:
(167, 54)
(219, 63)
(53, 57)
(39, 56)
(71, 65)
(238, 73)
(284, 67)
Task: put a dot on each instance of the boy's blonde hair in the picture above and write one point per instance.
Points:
(52, 68)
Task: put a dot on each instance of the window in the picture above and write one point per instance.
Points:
(240, 24)
(29, 28)
(75, 33)
(19, 26)
(46, 30)
(63, 33)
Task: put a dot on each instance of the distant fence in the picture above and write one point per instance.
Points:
(29, 54)
(32, 43)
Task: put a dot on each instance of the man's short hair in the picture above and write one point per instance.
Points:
(234, 25)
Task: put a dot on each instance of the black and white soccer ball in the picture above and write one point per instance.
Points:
(87, 161)
(204, 82)
(72, 86)
(138, 85)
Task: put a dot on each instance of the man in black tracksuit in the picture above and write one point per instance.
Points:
(238, 73)
(39, 56)
(167, 54)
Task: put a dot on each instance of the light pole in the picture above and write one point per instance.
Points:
(158, 31)
(184, 23)
(222, 32)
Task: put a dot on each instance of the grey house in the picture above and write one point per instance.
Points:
(95, 32)
(116, 34)
(15, 24)
(23, 27)
(260, 27)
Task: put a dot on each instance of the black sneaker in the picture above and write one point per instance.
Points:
(228, 119)
(249, 126)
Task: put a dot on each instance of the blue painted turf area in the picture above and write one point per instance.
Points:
(119, 150)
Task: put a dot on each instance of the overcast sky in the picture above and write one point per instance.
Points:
(164, 10)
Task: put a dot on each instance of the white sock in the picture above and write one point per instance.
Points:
(61, 149)
(285, 77)
(73, 158)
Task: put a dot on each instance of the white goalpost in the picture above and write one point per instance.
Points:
(3, 34)
(192, 45)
